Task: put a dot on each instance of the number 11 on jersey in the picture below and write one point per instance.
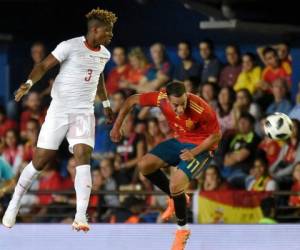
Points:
(88, 75)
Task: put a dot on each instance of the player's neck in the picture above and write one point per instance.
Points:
(89, 42)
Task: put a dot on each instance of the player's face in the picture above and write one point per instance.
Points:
(103, 34)
(178, 103)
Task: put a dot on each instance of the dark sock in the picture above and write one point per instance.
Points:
(180, 208)
(159, 179)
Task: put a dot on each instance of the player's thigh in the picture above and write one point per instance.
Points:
(43, 157)
(179, 181)
(150, 163)
(168, 151)
(53, 130)
(193, 168)
(81, 132)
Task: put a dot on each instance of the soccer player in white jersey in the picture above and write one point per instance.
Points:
(71, 112)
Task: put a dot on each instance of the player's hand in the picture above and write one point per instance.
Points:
(23, 90)
(186, 155)
(115, 135)
(109, 115)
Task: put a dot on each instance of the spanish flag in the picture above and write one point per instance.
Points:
(228, 207)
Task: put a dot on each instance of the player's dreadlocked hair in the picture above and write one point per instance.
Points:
(103, 16)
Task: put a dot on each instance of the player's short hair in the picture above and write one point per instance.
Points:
(100, 17)
(175, 88)
(270, 50)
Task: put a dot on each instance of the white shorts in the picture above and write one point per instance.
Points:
(76, 127)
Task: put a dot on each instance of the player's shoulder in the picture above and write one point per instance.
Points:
(197, 104)
(105, 52)
(74, 41)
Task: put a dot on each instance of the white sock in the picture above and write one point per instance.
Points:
(27, 176)
(185, 227)
(83, 185)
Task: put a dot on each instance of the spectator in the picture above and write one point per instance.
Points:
(268, 208)
(295, 112)
(212, 179)
(283, 52)
(5, 123)
(154, 135)
(131, 148)
(13, 151)
(159, 72)
(31, 135)
(119, 72)
(164, 126)
(110, 184)
(244, 103)
(294, 200)
(33, 111)
(269, 146)
(208, 92)
(138, 68)
(49, 180)
(273, 70)
(231, 71)
(7, 181)
(239, 151)
(103, 144)
(188, 67)
(225, 114)
(282, 168)
(211, 65)
(250, 76)
(261, 181)
(192, 84)
(281, 102)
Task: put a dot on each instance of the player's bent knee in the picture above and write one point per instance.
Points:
(145, 167)
(42, 158)
(176, 188)
(82, 154)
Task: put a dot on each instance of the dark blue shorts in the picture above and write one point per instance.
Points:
(169, 151)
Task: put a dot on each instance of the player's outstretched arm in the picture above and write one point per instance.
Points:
(115, 133)
(36, 74)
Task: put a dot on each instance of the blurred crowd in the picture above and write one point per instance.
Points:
(243, 90)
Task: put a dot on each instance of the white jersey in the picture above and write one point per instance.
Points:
(75, 86)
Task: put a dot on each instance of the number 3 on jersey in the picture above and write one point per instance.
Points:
(88, 75)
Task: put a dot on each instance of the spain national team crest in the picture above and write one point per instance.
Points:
(189, 124)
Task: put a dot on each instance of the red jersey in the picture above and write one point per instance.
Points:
(197, 123)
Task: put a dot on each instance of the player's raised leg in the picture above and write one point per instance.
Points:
(82, 184)
(30, 172)
(150, 166)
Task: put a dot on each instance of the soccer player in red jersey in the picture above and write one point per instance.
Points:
(196, 135)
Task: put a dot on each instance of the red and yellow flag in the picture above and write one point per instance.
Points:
(229, 207)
